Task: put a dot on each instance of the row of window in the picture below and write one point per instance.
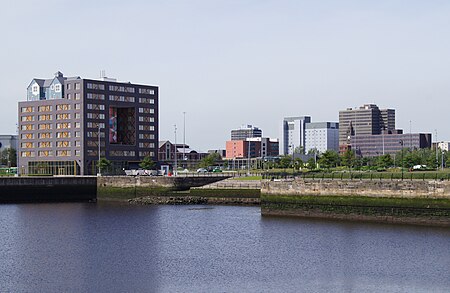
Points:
(77, 86)
(62, 134)
(120, 88)
(66, 144)
(95, 86)
(49, 153)
(76, 96)
(146, 127)
(99, 107)
(122, 99)
(146, 91)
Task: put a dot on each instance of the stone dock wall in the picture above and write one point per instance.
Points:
(365, 188)
(409, 202)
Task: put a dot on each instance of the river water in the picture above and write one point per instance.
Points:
(79, 247)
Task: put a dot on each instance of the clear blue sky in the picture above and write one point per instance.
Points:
(228, 63)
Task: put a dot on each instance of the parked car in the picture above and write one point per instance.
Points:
(202, 170)
(217, 170)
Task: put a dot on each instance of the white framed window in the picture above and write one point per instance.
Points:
(57, 88)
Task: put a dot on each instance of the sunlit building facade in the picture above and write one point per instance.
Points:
(66, 121)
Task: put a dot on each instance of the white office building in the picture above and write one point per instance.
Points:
(293, 133)
(322, 136)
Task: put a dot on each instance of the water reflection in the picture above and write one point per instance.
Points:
(121, 248)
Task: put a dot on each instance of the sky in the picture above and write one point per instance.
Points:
(227, 63)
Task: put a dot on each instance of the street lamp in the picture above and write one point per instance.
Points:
(99, 171)
(401, 143)
(176, 167)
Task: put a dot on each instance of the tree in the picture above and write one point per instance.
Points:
(298, 163)
(8, 157)
(210, 160)
(328, 159)
(348, 158)
(103, 164)
(384, 161)
(147, 163)
(285, 161)
(311, 163)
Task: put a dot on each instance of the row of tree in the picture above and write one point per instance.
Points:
(406, 159)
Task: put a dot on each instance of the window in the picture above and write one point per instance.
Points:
(92, 96)
(45, 144)
(63, 153)
(47, 108)
(77, 106)
(77, 115)
(63, 116)
(27, 145)
(62, 107)
(27, 118)
(44, 126)
(27, 127)
(77, 96)
(146, 100)
(77, 86)
(45, 135)
(146, 119)
(146, 91)
(27, 136)
(45, 117)
(96, 86)
(68, 86)
(63, 144)
(57, 88)
(77, 142)
(64, 134)
(35, 89)
(69, 96)
(64, 125)
(27, 109)
(95, 125)
(77, 124)
(77, 134)
(27, 154)
(45, 153)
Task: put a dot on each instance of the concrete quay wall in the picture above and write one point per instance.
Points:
(47, 189)
(362, 188)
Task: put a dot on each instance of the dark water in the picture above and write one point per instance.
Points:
(120, 248)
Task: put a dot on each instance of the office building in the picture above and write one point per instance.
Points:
(67, 123)
(389, 143)
(186, 157)
(293, 133)
(247, 131)
(257, 147)
(444, 145)
(365, 120)
(8, 141)
(322, 136)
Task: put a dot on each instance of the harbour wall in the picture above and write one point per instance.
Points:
(366, 188)
(47, 189)
(410, 202)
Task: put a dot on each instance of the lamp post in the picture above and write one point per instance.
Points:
(175, 152)
(293, 159)
(184, 136)
(99, 171)
(401, 143)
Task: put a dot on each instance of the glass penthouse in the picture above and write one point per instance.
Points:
(65, 118)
